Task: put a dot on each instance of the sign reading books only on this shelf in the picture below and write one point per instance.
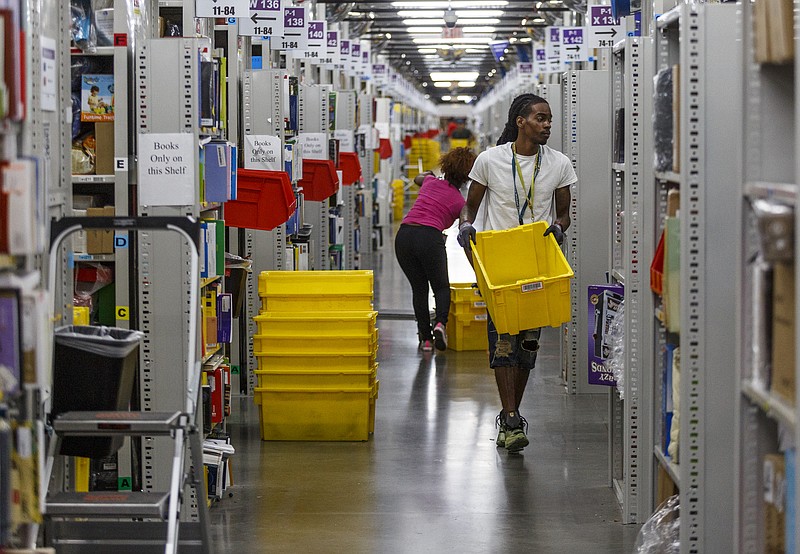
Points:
(314, 145)
(167, 166)
(346, 138)
(222, 8)
(604, 30)
(264, 19)
(97, 97)
(605, 302)
(262, 152)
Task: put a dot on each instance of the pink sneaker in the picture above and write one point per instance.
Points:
(426, 345)
(440, 336)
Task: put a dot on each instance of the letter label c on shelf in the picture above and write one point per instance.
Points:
(122, 313)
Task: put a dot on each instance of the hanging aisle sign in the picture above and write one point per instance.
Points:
(317, 49)
(222, 8)
(295, 30)
(366, 61)
(573, 44)
(539, 60)
(552, 45)
(379, 74)
(355, 57)
(265, 19)
(525, 72)
(604, 30)
(344, 54)
(331, 59)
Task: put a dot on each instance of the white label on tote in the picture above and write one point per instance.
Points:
(532, 286)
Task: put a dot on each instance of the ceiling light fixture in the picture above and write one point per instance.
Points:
(454, 75)
(440, 40)
(464, 98)
(422, 14)
(467, 22)
(442, 84)
(454, 3)
(466, 84)
(446, 97)
(526, 39)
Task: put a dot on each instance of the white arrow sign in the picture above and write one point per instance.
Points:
(604, 30)
(573, 44)
(265, 19)
(222, 8)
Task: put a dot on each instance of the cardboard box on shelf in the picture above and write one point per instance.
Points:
(104, 148)
(774, 484)
(100, 242)
(783, 382)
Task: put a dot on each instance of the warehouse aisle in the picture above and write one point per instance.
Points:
(431, 478)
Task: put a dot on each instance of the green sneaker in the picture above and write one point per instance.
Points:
(500, 423)
(515, 439)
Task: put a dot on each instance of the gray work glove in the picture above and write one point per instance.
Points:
(557, 232)
(466, 235)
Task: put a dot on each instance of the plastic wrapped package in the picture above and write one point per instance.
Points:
(82, 25)
(775, 229)
(103, 20)
(90, 278)
(616, 356)
(661, 533)
(662, 120)
(675, 428)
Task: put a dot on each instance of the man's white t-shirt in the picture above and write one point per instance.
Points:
(493, 168)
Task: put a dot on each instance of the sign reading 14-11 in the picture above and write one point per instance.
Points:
(265, 18)
(222, 8)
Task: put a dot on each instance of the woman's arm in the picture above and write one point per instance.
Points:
(418, 180)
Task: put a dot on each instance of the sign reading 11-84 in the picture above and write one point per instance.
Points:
(222, 8)
(264, 18)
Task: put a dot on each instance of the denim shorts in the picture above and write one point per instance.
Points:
(512, 350)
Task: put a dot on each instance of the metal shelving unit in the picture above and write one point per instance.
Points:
(702, 39)
(632, 230)
(586, 122)
(366, 118)
(765, 422)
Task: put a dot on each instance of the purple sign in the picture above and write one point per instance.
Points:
(555, 34)
(541, 55)
(355, 51)
(572, 36)
(294, 18)
(316, 30)
(605, 302)
(601, 17)
(333, 39)
(344, 47)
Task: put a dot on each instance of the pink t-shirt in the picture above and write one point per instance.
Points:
(438, 204)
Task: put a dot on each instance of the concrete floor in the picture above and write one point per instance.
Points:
(431, 478)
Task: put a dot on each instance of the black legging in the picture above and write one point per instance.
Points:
(422, 256)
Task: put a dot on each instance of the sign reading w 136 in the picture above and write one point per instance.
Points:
(604, 30)
(264, 19)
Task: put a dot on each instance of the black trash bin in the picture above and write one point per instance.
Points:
(93, 370)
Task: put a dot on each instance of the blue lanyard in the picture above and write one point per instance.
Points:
(516, 168)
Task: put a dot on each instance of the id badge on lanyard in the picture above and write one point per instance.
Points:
(517, 169)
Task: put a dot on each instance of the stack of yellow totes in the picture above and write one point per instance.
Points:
(426, 150)
(466, 324)
(398, 199)
(316, 348)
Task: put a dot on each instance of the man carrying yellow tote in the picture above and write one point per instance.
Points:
(521, 181)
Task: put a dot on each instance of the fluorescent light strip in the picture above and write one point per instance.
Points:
(437, 15)
(454, 4)
(427, 50)
(457, 46)
(446, 97)
(463, 40)
(442, 84)
(454, 75)
(461, 22)
(466, 84)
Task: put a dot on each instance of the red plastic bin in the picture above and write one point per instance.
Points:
(657, 268)
(319, 181)
(350, 167)
(264, 200)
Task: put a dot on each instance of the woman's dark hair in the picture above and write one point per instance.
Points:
(520, 107)
(456, 165)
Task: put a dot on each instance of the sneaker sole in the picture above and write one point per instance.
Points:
(439, 340)
(517, 445)
(501, 442)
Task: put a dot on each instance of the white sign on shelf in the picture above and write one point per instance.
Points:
(222, 8)
(604, 30)
(355, 57)
(317, 49)
(314, 145)
(346, 138)
(366, 59)
(166, 170)
(573, 44)
(331, 59)
(379, 74)
(295, 29)
(262, 152)
(265, 19)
